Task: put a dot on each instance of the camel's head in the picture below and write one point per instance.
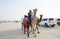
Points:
(35, 10)
(41, 15)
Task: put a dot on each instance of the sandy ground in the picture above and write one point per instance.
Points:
(13, 31)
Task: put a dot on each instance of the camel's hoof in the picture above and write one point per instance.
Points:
(28, 35)
(35, 36)
(33, 33)
(24, 33)
(38, 32)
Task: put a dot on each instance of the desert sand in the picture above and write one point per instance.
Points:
(13, 31)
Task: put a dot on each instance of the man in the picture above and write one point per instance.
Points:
(29, 16)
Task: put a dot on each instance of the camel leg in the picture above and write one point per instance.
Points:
(22, 26)
(24, 30)
(37, 29)
(31, 29)
(28, 32)
(34, 30)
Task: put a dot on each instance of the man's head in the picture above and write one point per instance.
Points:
(25, 16)
(30, 11)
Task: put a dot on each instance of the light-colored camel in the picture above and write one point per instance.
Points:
(35, 22)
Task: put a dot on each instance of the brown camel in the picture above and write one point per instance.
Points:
(38, 21)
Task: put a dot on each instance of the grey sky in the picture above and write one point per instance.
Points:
(15, 9)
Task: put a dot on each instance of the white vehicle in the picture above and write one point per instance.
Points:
(42, 23)
(58, 21)
(48, 22)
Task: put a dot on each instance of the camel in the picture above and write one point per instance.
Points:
(35, 22)
(26, 25)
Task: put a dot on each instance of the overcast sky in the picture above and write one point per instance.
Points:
(15, 9)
